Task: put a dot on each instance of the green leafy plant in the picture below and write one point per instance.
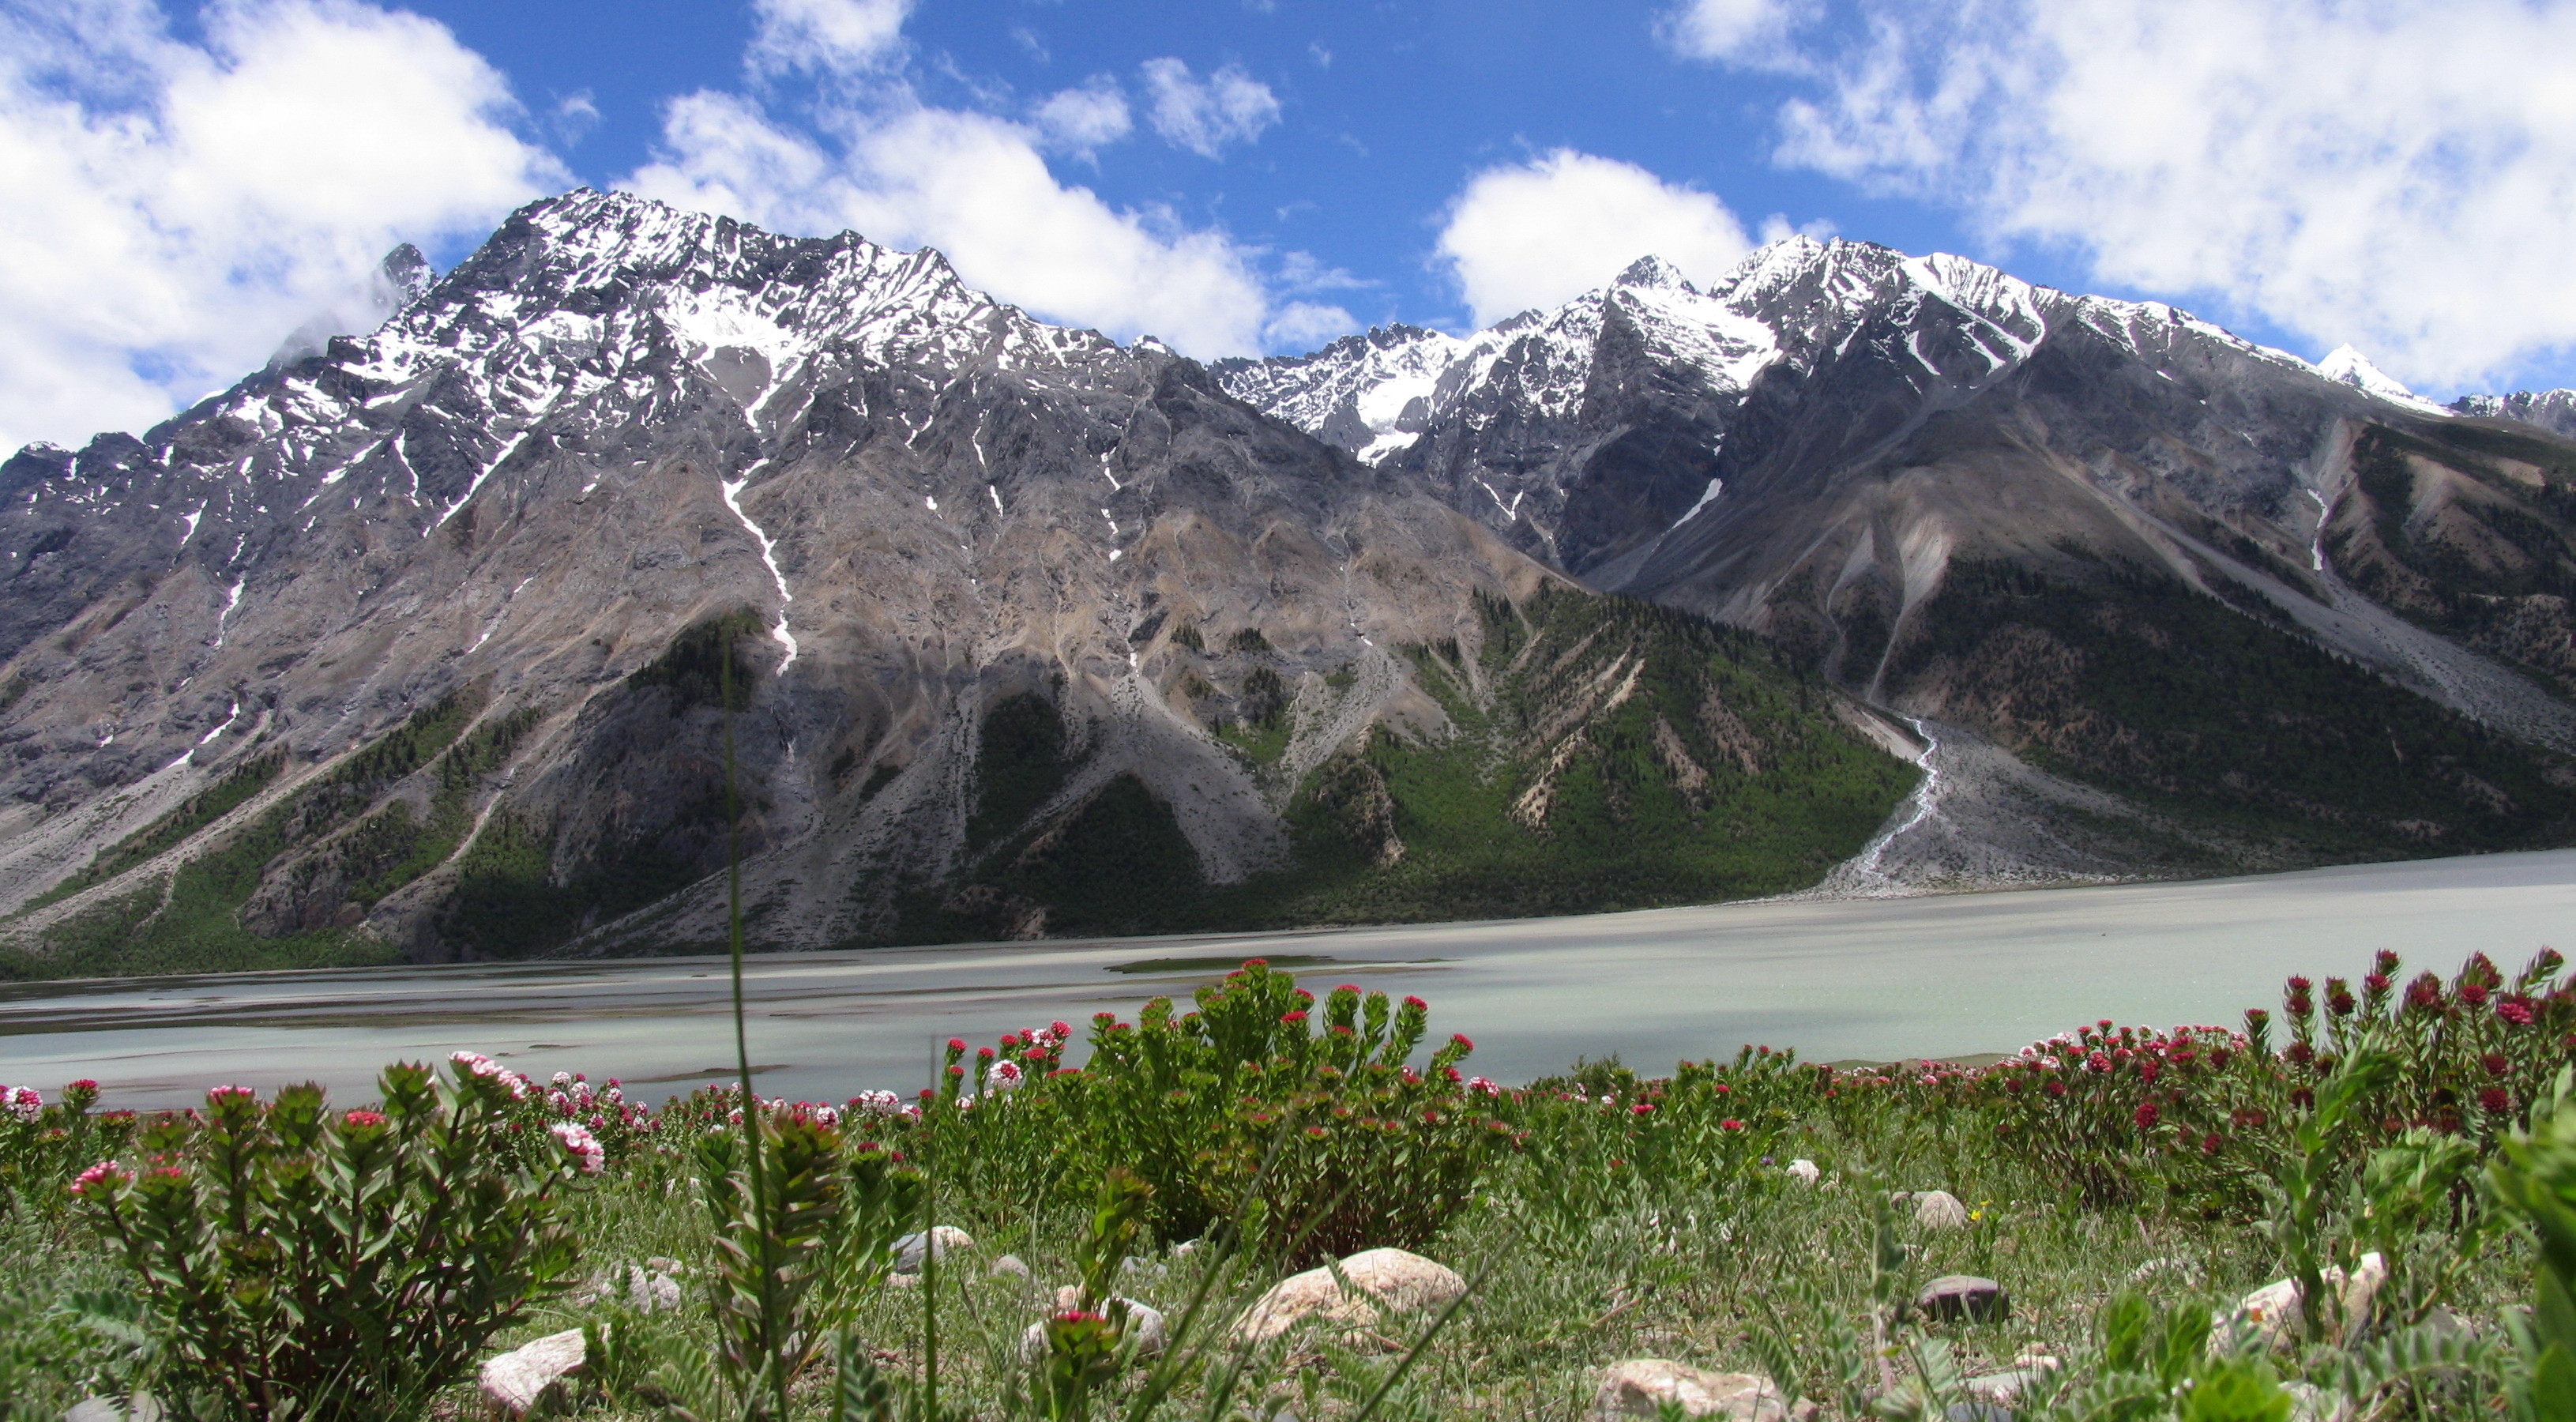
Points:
(2535, 1177)
(305, 1264)
(1376, 1152)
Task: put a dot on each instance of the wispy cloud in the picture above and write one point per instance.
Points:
(1206, 115)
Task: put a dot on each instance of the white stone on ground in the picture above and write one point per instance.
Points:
(1642, 1387)
(514, 1381)
(1394, 1279)
(1939, 1209)
(2272, 1311)
(104, 1409)
(908, 1250)
(1144, 1324)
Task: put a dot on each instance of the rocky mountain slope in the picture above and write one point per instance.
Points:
(2280, 611)
(425, 644)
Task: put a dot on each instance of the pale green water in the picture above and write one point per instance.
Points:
(1873, 978)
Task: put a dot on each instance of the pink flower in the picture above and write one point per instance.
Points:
(1007, 1077)
(24, 1102)
(1642, 1108)
(957, 1045)
(106, 1173)
(364, 1120)
(581, 1145)
(2099, 1061)
(2474, 994)
(1459, 1040)
(2147, 1114)
(2515, 1011)
(1730, 1124)
(1484, 1086)
(2495, 1100)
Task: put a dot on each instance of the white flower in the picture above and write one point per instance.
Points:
(1484, 1085)
(878, 1103)
(1007, 1076)
(24, 1102)
(1805, 1170)
(563, 1079)
(581, 1145)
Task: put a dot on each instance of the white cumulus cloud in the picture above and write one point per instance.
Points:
(179, 207)
(2396, 175)
(1204, 115)
(1537, 233)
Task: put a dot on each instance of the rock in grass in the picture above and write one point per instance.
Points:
(1957, 1296)
(1393, 1279)
(1144, 1324)
(106, 1409)
(2272, 1311)
(911, 1248)
(1644, 1387)
(516, 1380)
(2010, 1389)
(1939, 1209)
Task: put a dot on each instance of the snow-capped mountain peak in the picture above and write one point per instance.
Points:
(2348, 366)
(1651, 271)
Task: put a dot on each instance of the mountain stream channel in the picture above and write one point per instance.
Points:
(1872, 979)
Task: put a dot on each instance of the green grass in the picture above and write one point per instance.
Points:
(1580, 1258)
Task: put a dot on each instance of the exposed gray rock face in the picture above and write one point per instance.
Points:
(617, 422)
(1817, 443)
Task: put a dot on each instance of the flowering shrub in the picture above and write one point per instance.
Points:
(311, 1265)
(42, 1145)
(2212, 1114)
(1310, 1125)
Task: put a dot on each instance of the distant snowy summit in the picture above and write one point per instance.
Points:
(1378, 392)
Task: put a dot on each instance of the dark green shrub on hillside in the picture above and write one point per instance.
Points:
(693, 665)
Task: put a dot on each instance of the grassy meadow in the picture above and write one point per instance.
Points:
(2127, 1187)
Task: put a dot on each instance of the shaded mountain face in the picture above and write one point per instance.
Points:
(2116, 540)
(429, 643)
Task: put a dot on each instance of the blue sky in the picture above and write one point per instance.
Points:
(1242, 176)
